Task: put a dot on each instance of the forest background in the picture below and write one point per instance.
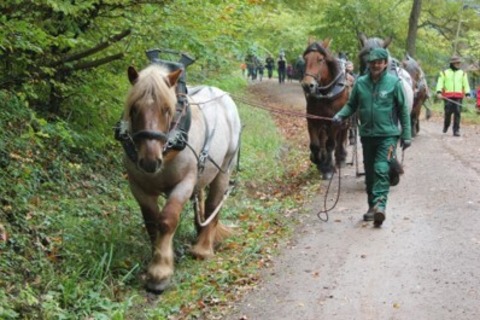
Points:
(71, 238)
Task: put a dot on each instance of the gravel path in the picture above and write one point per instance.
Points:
(422, 264)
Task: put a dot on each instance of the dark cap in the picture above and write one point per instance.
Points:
(378, 54)
(455, 59)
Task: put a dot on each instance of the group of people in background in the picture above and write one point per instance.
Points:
(253, 67)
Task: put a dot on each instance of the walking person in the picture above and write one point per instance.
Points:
(452, 86)
(243, 67)
(270, 65)
(300, 68)
(260, 69)
(289, 72)
(380, 101)
(281, 68)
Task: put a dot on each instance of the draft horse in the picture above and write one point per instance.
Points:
(421, 92)
(326, 91)
(157, 164)
(366, 45)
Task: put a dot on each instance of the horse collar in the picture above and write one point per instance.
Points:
(333, 89)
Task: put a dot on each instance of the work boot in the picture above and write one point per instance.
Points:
(378, 217)
(456, 134)
(369, 215)
(445, 129)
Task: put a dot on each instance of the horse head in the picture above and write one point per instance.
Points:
(149, 109)
(413, 68)
(367, 44)
(320, 67)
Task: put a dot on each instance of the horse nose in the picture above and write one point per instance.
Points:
(308, 87)
(150, 166)
(150, 156)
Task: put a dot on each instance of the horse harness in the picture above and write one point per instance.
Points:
(177, 136)
(175, 139)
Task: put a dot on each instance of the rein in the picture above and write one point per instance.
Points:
(280, 111)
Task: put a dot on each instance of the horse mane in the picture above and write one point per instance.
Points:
(332, 63)
(151, 89)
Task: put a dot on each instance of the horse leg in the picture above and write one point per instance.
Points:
(340, 148)
(161, 229)
(215, 231)
(413, 124)
(314, 143)
(327, 167)
(314, 154)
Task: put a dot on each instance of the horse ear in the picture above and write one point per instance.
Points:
(132, 75)
(387, 41)
(173, 77)
(310, 40)
(326, 42)
(362, 38)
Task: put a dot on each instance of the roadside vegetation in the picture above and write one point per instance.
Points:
(73, 243)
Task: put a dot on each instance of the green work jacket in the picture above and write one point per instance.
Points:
(380, 107)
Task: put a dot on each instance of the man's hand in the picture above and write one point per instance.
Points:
(467, 95)
(337, 120)
(439, 96)
(405, 143)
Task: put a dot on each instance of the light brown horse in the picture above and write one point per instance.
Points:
(157, 163)
(326, 92)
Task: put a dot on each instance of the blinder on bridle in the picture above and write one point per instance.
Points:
(152, 135)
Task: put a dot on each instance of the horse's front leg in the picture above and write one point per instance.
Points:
(161, 233)
(340, 146)
(327, 167)
(314, 135)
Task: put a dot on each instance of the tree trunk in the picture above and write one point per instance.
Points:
(413, 26)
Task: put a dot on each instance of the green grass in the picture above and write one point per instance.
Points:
(77, 247)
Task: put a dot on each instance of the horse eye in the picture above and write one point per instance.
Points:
(133, 111)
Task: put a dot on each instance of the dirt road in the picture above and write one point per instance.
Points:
(424, 263)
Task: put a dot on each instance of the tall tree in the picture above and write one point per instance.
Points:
(413, 27)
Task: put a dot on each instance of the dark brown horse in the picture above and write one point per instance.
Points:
(326, 91)
(420, 88)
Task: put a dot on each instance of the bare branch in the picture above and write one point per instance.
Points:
(96, 63)
(101, 46)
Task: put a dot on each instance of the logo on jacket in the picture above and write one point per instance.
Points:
(383, 94)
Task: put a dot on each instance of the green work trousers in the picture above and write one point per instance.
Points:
(377, 152)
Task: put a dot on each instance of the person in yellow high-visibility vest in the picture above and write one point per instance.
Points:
(452, 86)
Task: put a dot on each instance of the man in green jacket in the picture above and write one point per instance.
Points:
(452, 85)
(379, 101)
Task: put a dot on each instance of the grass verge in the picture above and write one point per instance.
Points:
(73, 244)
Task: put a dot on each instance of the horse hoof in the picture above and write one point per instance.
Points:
(157, 288)
(327, 175)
